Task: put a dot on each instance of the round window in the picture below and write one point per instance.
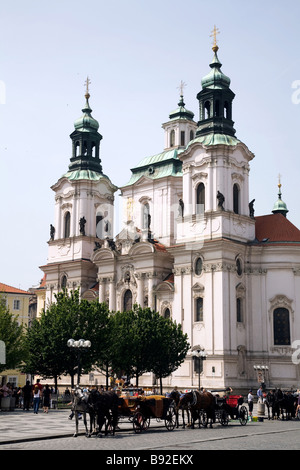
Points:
(198, 266)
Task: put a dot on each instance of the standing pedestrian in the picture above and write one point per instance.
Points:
(27, 396)
(36, 399)
(47, 398)
(250, 404)
(260, 394)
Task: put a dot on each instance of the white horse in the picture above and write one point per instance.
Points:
(80, 406)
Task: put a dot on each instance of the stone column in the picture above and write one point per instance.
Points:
(112, 293)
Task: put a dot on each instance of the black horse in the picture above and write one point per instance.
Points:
(104, 410)
(199, 403)
(175, 395)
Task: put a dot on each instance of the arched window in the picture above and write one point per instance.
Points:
(239, 310)
(172, 138)
(239, 266)
(236, 199)
(207, 109)
(281, 324)
(198, 266)
(227, 110)
(182, 138)
(167, 313)
(63, 282)
(199, 309)
(67, 225)
(191, 135)
(127, 302)
(200, 198)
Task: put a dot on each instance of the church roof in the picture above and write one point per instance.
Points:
(275, 229)
(158, 166)
(4, 288)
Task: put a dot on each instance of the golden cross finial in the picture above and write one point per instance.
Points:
(87, 83)
(215, 31)
(181, 87)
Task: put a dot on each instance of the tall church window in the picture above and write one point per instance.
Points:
(67, 226)
(236, 199)
(207, 109)
(239, 310)
(281, 324)
(63, 282)
(199, 309)
(200, 198)
(167, 313)
(227, 110)
(182, 138)
(172, 138)
(127, 302)
(191, 135)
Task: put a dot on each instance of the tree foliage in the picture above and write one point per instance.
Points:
(67, 318)
(13, 336)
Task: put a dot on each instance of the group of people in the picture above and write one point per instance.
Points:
(261, 395)
(29, 395)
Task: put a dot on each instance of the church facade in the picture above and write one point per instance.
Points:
(191, 246)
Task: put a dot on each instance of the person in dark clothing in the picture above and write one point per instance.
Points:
(27, 395)
(47, 398)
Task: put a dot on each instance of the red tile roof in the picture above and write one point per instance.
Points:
(275, 228)
(11, 290)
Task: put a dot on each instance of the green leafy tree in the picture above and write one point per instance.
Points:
(67, 318)
(144, 341)
(170, 346)
(13, 336)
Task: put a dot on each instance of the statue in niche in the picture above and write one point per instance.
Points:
(221, 200)
(82, 223)
(181, 208)
(251, 208)
(52, 232)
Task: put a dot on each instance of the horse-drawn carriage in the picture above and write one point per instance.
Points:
(140, 409)
(207, 408)
(231, 407)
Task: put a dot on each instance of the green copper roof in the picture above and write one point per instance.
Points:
(157, 166)
(86, 123)
(280, 206)
(181, 112)
(215, 79)
(85, 175)
(215, 139)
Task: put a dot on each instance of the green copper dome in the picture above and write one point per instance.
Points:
(181, 112)
(215, 78)
(280, 206)
(86, 122)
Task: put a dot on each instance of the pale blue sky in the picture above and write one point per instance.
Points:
(135, 53)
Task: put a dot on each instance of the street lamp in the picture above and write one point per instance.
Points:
(199, 355)
(79, 346)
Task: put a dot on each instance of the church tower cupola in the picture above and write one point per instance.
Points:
(280, 207)
(86, 140)
(215, 99)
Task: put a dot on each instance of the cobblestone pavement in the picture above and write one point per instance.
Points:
(53, 431)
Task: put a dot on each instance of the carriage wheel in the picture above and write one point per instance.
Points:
(170, 421)
(138, 422)
(243, 415)
(203, 419)
(224, 418)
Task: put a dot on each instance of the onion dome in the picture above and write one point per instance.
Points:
(280, 207)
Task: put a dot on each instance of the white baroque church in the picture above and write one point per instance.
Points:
(191, 246)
